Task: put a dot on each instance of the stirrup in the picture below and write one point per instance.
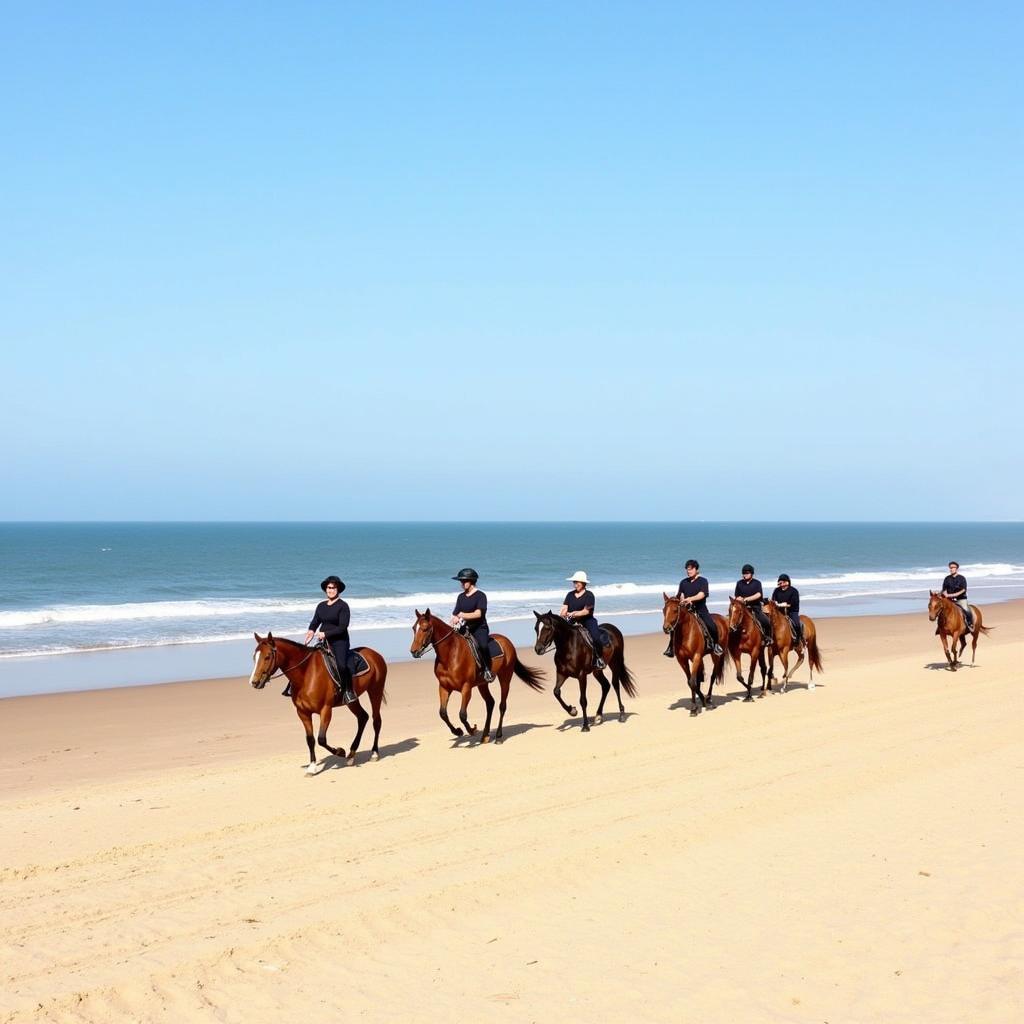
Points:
(349, 696)
(599, 662)
(488, 676)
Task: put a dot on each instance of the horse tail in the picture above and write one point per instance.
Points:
(626, 678)
(531, 676)
(813, 654)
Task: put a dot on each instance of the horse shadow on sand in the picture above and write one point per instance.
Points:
(936, 666)
(685, 702)
(610, 717)
(466, 742)
(332, 762)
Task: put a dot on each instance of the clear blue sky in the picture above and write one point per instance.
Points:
(539, 261)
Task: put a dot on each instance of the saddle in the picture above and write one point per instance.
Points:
(606, 637)
(357, 664)
(493, 648)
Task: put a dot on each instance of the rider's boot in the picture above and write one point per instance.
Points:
(486, 664)
(599, 661)
(348, 694)
(287, 691)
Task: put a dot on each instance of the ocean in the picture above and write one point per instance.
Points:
(183, 599)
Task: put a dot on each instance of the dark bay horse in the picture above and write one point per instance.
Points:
(574, 659)
(951, 623)
(688, 647)
(745, 637)
(457, 671)
(783, 642)
(314, 692)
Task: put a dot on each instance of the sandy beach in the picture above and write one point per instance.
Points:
(848, 854)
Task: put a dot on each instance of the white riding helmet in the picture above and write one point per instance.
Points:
(578, 577)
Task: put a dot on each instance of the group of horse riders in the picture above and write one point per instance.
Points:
(694, 590)
(331, 619)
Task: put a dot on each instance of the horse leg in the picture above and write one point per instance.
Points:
(560, 677)
(444, 695)
(974, 638)
(485, 692)
(307, 723)
(618, 674)
(583, 701)
(799, 660)
(694, 674)
(784, 659)
(605, 688)
(361, 719)
(749, 684)
(325, 724)
(771, 669)
(502, 704)
(945, 650)
(376, 698)
(467, 692)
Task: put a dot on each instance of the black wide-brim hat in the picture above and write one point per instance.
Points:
(335, 580)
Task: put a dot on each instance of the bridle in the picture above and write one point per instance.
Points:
(275, 669)
(431, 642)
(550, 623)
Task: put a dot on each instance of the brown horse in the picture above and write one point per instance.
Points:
(574, 659)
(783, 642)
(952, 623)
(745, 637)
(314, 692)
(457, 671)
(688, 646)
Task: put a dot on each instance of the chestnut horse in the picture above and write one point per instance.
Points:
(783, 642)
(688, 646)
(745, 637)
(952, 623)
(574, 659)
(457, 671)
(314, 692)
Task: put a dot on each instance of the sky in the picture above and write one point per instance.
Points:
(511, 261)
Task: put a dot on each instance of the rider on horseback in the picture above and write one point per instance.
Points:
(578, 607)
(471, 612)
(954, 586)
(787, 597)
(750, 592)
(693, 591)
(331, 618)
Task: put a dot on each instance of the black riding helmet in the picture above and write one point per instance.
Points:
(747, 568)
(332, 579)
(467, 574)
(783, 576)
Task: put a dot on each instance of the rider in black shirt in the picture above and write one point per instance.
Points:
(787, 597)
(331, 618)
(955, 586)
(471, 610)
(694, 591)
(578, 606)
(750, 592)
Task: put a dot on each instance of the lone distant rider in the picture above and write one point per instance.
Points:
(578, 606)
(471, 610)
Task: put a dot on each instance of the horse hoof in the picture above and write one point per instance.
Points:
(499, 739)
(586, 728)
(458, 732)
(375, 756)
(312, 770)
(694, 712)
(485, 739)
(749, 700)
(572, 711)
(598, 719)
(622, 716)
(350, 760)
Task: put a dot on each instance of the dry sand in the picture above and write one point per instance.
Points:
(851, 854)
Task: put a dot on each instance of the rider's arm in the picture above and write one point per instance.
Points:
(700, 596)
(564, 611)
(754, 598)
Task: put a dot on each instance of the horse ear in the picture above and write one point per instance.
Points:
(257, 637)
(270, 634)
(536, 615)
(426, 614)
(664, 595)
(416, 612)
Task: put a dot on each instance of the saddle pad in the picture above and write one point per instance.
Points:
(357, 664)
(495, 648)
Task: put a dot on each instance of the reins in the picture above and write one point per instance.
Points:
(278, 671)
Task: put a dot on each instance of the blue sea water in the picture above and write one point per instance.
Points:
(71, 588)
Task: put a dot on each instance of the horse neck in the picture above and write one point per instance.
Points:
(747, 621)
(293, 659)
(444, 634)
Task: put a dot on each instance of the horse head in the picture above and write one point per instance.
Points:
(422, 633)
(545, 630)
(736, 610)
(672, 612)
(934, 605)
(264, 660)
